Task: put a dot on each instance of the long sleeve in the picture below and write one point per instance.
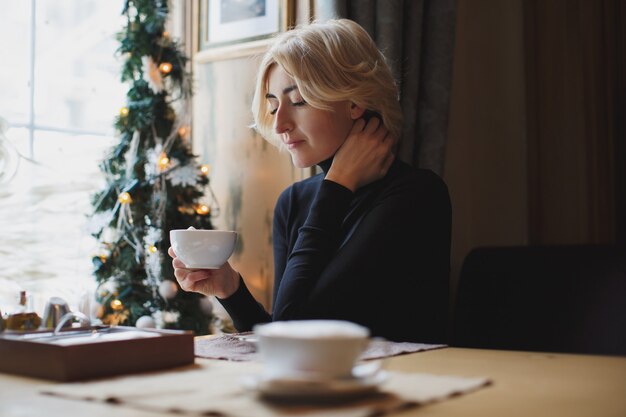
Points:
(243, 308)
(378, 257)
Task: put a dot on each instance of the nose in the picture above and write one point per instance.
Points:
(283, 122)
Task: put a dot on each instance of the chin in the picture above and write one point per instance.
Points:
(298, 163)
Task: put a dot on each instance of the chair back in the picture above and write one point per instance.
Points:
(568, 298)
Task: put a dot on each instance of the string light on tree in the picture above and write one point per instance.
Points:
(203, 209)
(165, 67)
(205, 169)
(164, 161)
(125, 198)
(124, 111)
(183, 132)
(117, 305)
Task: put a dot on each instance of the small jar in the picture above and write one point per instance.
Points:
(24, 317)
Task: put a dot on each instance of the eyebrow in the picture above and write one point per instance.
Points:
(285, 91)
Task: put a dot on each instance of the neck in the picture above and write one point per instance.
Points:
(325, 164)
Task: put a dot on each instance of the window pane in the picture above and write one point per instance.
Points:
(14, 70)
(45, 246)
(77, 82)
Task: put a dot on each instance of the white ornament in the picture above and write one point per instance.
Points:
(153, 235)
(108, 287)
(184, 175)
(145, 322)
(163, 318)
(206, 305)
(152, 160)
(153, 265)
(168, 289)
(110, 235)
(99, 221)
(170, 317)
(151, 74)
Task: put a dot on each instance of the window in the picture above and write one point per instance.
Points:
(60, 93)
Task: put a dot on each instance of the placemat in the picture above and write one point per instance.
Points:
(215, 388)
(238, 347)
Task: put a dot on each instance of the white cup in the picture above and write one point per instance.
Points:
(206, 249)
(319, 349)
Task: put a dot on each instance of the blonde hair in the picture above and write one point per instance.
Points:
(330, 61)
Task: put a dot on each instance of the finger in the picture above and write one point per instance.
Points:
(358, 126)
(196, 275)
(186, 285)
(177, 263)
(180, 275)
(381, 134)
(170, 251)
(372, 125)
(186, 279)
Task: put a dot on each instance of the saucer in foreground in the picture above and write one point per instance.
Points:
(307, 388)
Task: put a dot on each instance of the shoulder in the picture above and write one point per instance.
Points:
(299, 191)
(302, 187)
(416, 190)
(406, 176)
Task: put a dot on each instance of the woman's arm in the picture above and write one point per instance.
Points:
(350, 261)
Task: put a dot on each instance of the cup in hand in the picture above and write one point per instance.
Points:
(319, 349)
(206, 249)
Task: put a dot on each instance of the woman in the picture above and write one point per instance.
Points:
(368, 239)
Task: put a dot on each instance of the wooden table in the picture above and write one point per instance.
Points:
(524, 384)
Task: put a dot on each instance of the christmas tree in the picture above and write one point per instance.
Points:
(153, 183)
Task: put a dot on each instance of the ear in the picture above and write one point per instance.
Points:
(356, 111)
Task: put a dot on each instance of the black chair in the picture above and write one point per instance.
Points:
(568, 299)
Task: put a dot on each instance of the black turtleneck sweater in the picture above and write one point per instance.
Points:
(379, 257)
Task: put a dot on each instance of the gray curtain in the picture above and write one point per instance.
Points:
(417, 37)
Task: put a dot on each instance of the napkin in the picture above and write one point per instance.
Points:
(215, 388)
(240, 347)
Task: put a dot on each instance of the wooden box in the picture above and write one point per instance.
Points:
(114, 351)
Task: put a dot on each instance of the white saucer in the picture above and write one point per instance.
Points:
(295, 388)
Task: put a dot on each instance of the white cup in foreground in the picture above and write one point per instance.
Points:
(324, 349)
(206, 249)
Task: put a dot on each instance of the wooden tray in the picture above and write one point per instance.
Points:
(105, 351)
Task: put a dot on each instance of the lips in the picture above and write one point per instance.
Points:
(292, 144)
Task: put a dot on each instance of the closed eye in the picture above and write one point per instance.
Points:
(298, 103)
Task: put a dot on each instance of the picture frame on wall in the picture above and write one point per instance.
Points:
(232, 22)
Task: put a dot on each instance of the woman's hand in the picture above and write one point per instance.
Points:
(222, 282)
(364, 157)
